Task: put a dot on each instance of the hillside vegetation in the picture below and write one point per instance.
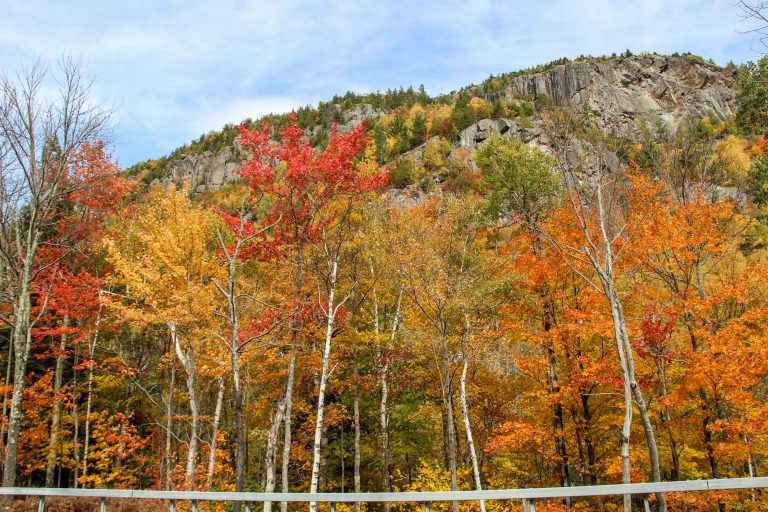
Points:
(485, 289)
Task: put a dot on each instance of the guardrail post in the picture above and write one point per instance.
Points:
(529, 505)
(248, 507)
(172, 505)
(103, 505)
(646, 505)
(333, 506)
(426, 506)
(194, 505)
(41, 504)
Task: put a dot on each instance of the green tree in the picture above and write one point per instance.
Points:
(418, 130)
(520, 180)
(403, 173)
(752, 97)
(757, 181)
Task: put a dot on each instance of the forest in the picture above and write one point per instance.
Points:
(593, 313)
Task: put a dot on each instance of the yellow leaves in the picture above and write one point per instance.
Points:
(391, 144)
(368, 165)
(732, 156)
(439, 116)
(415, 110)
(435, 154)
(163, 256)
(479, 108)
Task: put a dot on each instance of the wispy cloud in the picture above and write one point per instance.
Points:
(177, 69)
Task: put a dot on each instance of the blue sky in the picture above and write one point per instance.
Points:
(174, 70)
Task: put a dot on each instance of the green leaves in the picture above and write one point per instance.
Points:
(752, 97)
(520, 180)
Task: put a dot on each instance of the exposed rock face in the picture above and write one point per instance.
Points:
(622, 92)
(355, 117)
(205, 171)
(486, 128)
(210, 170)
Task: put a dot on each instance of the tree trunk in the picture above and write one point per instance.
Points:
(356, 412)
(604, 268)
(642, 408)
(291, 373)
(557, 422)
(449, 419)
(591, 455)
(468, 430)
(288, 398)
(190, 471)
(169, 428)
(22, 340)
(626, 428)
(384, 385)
(239, 424)
(88, 405)
(54, 443)
(675, 472)
(89, 391)
(187, 359)
(75, 420)
(8, 366)
(215, 433)
(548, 319)
(331, 314)
(274, 432)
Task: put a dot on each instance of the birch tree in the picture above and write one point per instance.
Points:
(239, 243)
(302, 182)
(597, 209)
(163, 257)
(39, 137)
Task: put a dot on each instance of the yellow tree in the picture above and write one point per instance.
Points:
(447, 279)
(163, 256)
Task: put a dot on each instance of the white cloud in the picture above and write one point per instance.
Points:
(180, 68)
(214, 116)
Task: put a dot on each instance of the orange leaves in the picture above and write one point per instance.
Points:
(99, 186)
(514, 436)
(117, 456)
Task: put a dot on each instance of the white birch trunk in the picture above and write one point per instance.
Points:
(274, 432)
(22, 341)
(468, 431)
(215, 433)
(631, 388)
(89, 391)
(186, 358)
(54, 444)
(169, 428)
(331, 314)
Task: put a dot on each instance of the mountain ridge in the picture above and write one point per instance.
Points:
(621, 93)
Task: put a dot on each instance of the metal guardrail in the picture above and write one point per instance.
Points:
(528, 496)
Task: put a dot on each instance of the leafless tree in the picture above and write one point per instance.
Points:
(595, 196)
(45, 117)
(756, 12)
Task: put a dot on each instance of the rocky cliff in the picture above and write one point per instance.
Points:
(619, 93)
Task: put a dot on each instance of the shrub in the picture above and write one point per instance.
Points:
(403, 173)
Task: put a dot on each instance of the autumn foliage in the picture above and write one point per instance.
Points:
(468, 341)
